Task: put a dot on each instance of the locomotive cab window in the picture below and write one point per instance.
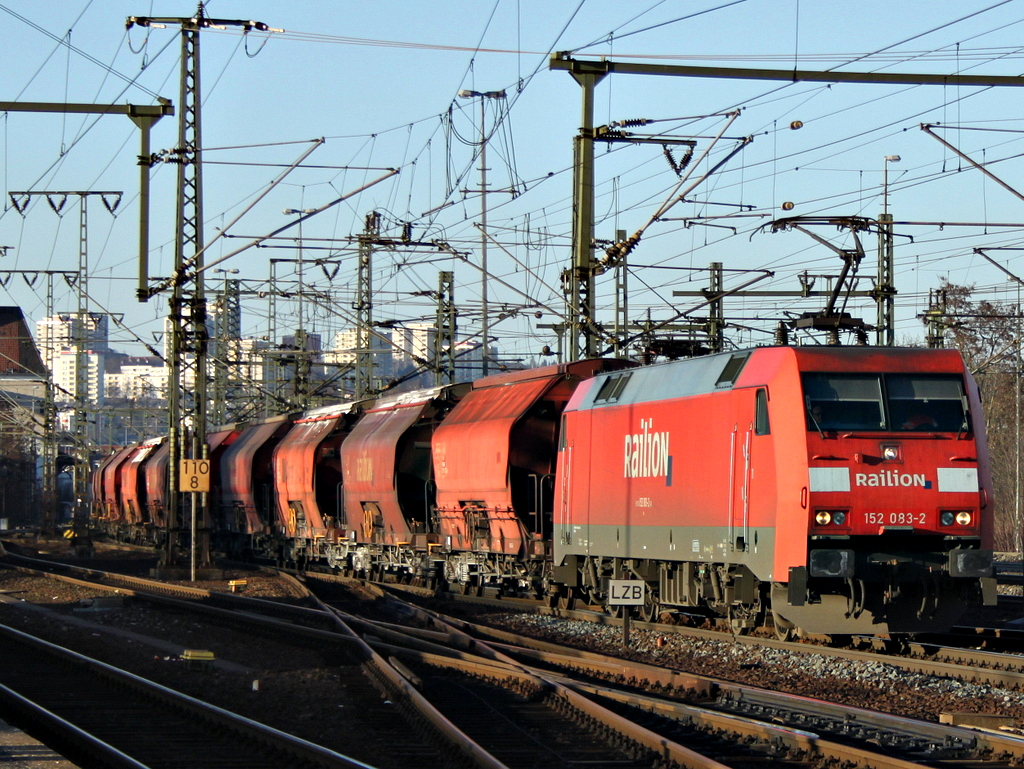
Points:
(761, 423)
(926, 403)
(843, 402)
(890, 402)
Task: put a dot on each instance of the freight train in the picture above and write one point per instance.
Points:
(821, 490)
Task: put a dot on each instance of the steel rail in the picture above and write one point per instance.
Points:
(553, 654)
(794, 739)
(498, 669)
(998, 669)
(380, 669)
(480, 658)
(745, 726)
(974, 665)
(243, 728)
(397, 680)
(65, 737)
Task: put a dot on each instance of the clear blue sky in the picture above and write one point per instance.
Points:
(379, 82)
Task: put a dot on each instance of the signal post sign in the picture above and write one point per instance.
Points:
(194, 475)
(626, 593)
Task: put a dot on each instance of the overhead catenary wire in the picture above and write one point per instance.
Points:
(413, 158)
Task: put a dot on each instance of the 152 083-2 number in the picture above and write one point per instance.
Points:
(896, 519)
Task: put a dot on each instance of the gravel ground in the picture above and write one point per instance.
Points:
(873, 685)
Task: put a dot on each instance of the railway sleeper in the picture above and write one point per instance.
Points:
(602, 731)
(419, 722)
(914, 747)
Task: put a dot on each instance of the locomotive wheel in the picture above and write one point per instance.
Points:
(742, 619)
(615, 611)
(651, 609)
(784, 629)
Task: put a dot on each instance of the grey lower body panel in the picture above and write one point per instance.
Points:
(752, 547)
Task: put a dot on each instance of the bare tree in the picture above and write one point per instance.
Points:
(987, 334)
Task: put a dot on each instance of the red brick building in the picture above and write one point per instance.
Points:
(18, 352)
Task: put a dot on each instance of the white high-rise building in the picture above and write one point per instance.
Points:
(61, 331)
(57, 339)
(137, 379)
(411, 342)
(416, 341)
(344, 348)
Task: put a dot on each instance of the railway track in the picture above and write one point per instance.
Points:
(966, 655)
(529, 723)
(955, 655)
(735, 724)
(554, 705)
(369, 684)
(100, 716)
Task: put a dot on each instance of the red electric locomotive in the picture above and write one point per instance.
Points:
(839, 490)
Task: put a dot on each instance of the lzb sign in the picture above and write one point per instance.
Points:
(626, 592)
(194, 475)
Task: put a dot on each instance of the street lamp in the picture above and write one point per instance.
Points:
(484, 322)
(885, 181)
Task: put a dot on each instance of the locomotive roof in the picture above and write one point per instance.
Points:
(724, 371)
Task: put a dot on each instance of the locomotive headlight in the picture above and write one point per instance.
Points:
(890, 453)
(826, 517)
(961, 518)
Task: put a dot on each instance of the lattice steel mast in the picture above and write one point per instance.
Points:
(188, 333)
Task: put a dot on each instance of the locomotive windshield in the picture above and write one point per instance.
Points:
(889, 402)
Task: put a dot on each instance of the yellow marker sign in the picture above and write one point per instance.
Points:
(194, 475)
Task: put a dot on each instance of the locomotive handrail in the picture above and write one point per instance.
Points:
(908, 436)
